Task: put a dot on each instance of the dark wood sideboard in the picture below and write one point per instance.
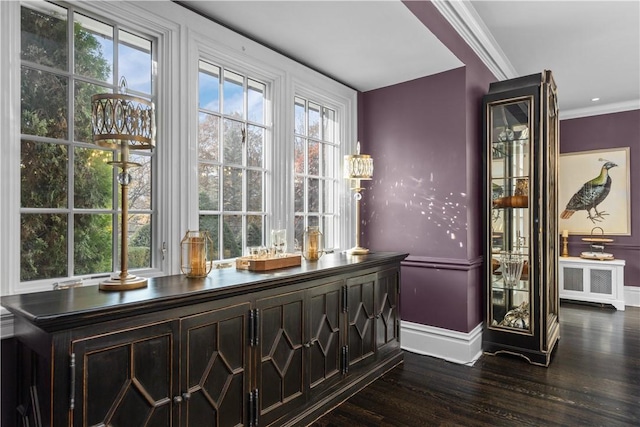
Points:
(235, 348)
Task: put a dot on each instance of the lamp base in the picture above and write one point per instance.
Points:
(117, 283)
(357, 250)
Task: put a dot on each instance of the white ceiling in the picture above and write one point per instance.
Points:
(592, 47)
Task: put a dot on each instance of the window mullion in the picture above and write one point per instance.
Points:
(223, 133)
(245, 163)
(71, 151)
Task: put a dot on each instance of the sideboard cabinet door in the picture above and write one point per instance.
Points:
(280, 377)
(325, 335)
(215, 368)
(361, 312)
(126, 378)
(387, 311)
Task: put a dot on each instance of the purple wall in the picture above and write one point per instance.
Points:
(425, 136)
(604, 132)
(415, 134)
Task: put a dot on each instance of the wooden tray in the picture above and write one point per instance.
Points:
(597, 239)
(266, 264)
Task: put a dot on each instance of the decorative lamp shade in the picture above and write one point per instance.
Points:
(358, 166)
(117, 118)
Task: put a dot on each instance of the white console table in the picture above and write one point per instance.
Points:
(592, 280)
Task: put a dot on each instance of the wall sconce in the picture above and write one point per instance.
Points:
(358, 167)
(121, 122)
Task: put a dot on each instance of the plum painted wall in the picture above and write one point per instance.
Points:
(604, 132)
(417, 201)
(426, 136)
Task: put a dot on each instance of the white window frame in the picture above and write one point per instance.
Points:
(329, 235)
(282, 89)
(267, 150)
(182, 38)
(345, 107)
(127, 16)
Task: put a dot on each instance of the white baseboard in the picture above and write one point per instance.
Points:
(632, 296)
(453, 346)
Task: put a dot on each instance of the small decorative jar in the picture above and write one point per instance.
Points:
(194, 254)
(312, 248)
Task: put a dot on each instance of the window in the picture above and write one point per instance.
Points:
(316, 151)
(69, 196)
(232, 143)
(231, 172)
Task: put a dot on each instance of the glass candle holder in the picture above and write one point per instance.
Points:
(312, 244)
(194, 254)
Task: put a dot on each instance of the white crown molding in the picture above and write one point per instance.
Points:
(466, 21)
(597, 110)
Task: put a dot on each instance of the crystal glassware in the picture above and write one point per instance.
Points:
(511, 263)
(279, 242)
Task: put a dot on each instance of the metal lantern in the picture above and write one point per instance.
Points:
(194, 254)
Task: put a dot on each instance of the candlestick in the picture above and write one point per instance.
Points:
(565, 245)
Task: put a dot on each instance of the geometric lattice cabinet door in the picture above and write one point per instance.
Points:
(324, 318)
(387, 315)
(361, 312)
(215, 357)
(127, 378)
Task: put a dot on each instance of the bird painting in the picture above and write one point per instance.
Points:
(592, 193)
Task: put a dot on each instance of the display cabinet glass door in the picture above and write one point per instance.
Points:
(509, 175)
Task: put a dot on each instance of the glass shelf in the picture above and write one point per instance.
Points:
(521, 286)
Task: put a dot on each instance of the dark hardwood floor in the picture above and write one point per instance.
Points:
(593, 380)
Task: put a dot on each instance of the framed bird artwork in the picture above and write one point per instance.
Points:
(593, 190)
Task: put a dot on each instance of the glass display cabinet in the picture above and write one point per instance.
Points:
(520, 217)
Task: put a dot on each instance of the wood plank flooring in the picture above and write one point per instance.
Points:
(593, 380)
